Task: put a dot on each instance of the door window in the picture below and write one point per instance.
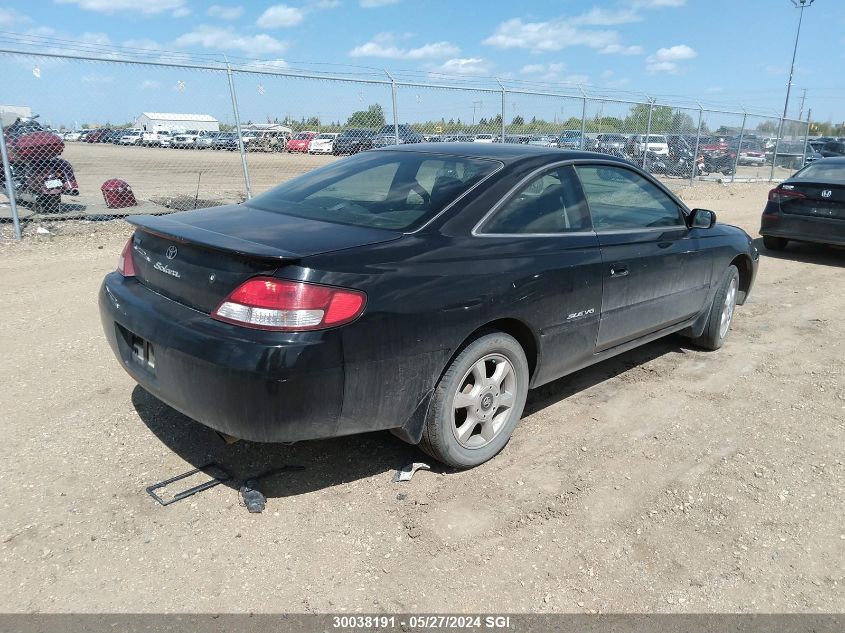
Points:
(620, 199)
(550, 203)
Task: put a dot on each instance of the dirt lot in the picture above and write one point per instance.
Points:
(668, 479)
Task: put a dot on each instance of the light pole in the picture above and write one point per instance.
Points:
(799, 4)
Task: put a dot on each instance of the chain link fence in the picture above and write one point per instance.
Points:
(102, 137)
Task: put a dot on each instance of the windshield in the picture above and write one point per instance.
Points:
(325, 137)
(570, 135)
(388, 190)
(823, 172)
(302, 136)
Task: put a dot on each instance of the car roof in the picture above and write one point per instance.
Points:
(504, 152)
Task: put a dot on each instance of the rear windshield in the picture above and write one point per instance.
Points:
(822, 172)
(388, 190)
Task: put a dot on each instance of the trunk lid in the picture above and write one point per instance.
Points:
(820, 200)
(198, 257)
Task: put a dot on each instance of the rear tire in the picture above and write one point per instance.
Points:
(721, 312)
(478, 402)
(775, 243)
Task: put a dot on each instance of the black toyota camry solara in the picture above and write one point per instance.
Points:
(422, 289)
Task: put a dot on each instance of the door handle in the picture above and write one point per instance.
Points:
(618, 270)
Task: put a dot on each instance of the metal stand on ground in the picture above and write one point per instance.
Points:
(10, 186)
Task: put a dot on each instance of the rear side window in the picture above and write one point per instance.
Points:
(823, 172)
(550, 203)
(390, 190)
(621, 199)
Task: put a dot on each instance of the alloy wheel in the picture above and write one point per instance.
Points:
(484, 401)
(728, 309)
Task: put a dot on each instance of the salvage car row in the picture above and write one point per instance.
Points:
(723, 152)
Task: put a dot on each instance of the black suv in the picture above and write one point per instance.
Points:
(387, 135)
(833, 148)
(352, 141)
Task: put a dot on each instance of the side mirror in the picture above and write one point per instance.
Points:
(702, 219)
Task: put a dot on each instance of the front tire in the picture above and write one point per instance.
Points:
(775, 243)
(721, 312)
(478, 402)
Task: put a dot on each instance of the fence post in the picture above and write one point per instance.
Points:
(504, 93)
(806, 137)
(775, 152)
(739, 147)
(697, 142)
(583, 116)
(395, 114)
(647, 131)
(10, 186)
(241, 148)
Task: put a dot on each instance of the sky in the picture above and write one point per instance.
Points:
(729, 53)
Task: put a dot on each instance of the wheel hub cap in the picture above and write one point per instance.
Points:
(483, 402)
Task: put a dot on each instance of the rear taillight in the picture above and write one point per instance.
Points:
(125, 264)
(266, 303)
(784, 195)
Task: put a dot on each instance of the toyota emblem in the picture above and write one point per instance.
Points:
(172, 251)
(827, 193)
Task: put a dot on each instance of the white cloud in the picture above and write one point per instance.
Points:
(619, 49)
(100, 39)
(224, 12)
(372, 4)
(9, 17)
(280, 16)
(555, 35)
(675, 53)
(148, 7)
(143, 44)
(553, 73)
(607, 17)
(228, 39)
(383, 45)
(464, 66)
(665, 60)
(150, 84)
(265, 64)
(181, 12)
(325, 4)
(533, 69)
(657, 4)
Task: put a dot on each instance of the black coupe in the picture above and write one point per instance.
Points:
(421, 288)
(807, 207)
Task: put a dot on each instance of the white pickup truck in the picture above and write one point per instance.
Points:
(150, 139)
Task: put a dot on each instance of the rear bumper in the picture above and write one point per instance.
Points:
(259, 386)
(803, 228)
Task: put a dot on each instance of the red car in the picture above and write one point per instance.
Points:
(300, 142)
(97, 135)
(714, 144)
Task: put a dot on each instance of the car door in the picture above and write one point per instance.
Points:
(541, 235)
(655, 273)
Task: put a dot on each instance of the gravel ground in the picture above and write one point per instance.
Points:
(667, 479)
